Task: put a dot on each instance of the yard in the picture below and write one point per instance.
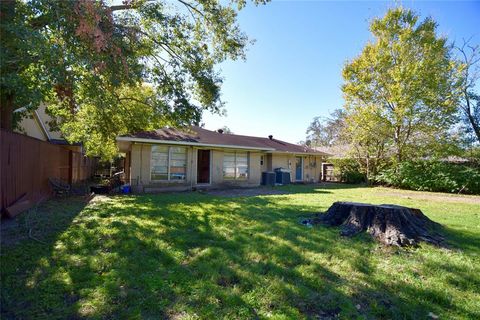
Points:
(194, 255)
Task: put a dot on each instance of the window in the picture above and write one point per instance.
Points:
(235, 165)
(168, 163)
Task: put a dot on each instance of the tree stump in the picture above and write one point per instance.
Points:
(390, 224)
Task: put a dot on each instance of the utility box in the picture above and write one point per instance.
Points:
(268, 178)
(282, 176)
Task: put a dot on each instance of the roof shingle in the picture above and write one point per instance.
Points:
(199, 135)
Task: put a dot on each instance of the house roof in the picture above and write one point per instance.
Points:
(64, 142)
(199, 136)
(338, 151)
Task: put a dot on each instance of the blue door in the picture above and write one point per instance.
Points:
(299, 169)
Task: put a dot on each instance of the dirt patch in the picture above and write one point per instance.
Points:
(245, 192)
(454, 198)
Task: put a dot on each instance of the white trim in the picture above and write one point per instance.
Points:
(21, 109)
(37, 120)
(317, 154)
(169, 180)
(42, 125)
(235, 166)
(186, 143)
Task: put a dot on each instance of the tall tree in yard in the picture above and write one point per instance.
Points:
(469, 58)
(84, 54)
(367, 134)
(326, 132)
(403, 86)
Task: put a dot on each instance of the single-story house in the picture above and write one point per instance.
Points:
(176, 159)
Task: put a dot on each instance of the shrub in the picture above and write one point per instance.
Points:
(349, 170)
(432, 175)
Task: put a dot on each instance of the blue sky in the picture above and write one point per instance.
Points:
(293, 71)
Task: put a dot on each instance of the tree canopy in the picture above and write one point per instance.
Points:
(469, 106)
(402, 91)
(326, 131)
(106, 69)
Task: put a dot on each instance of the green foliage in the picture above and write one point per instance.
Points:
(326, 132)
(401, 92)
(349, 170)
(77, 55)
(226, 130)
(198, 256)
(433, 176)
(99, 120)
(473, 154)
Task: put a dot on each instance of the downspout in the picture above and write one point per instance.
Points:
(141, 165)
(191, 169)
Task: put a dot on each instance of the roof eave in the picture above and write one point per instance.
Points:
(188, 143)
(302, 153)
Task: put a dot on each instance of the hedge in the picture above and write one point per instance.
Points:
(432, 175)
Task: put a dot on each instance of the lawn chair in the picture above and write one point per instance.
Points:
(59, 187)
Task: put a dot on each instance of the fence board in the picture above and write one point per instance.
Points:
(26, 164)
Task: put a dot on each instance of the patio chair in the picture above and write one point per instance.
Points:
(59, 187)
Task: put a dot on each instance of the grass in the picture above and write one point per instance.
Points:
(197, 256)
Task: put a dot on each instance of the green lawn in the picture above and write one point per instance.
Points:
(198, 256)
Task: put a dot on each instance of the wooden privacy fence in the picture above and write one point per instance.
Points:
(26, 164)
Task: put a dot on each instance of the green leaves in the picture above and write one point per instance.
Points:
(327, 132)
(402, 89)
(433, 175)
(79, 56)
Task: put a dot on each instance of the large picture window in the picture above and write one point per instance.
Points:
(235, 165)
(168, 163)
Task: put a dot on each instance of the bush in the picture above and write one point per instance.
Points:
(432, 176)
(348, 170)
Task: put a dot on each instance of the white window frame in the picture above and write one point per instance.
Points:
(169, 158)
(235, 166)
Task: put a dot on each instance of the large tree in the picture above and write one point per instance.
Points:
(469, 58)
(403, 85)
(85, 57)
(326, 131)
(367, 135)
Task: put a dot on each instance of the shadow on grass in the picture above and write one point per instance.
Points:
(324, 187)
(179, 255)
(464, 240)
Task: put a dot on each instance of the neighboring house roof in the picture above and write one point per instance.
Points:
(64, 142)
(340, 151)
(36, 124)
(202, 137)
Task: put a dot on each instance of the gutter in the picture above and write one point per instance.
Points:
(186, 143)
(300, 153)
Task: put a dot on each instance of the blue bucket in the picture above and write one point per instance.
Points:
(126, 189)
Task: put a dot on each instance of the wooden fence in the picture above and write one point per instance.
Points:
(26, 164)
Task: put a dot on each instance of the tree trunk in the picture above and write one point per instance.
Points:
(471, 119)
(6, 112)
(387, 223)
(7, 15)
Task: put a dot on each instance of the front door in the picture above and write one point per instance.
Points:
(203, 166)
(299, 169)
